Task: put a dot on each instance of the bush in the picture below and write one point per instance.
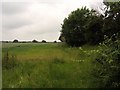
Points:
(108, 61)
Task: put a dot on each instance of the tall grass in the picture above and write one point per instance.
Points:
(9, 61)
(49, 65)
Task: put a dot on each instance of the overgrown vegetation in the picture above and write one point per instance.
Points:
(84, 26)
(50, 65)
(108, 63)
(9, 61)
(57, 65)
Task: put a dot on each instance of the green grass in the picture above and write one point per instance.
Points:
(49, 65)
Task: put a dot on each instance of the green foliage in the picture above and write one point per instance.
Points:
(85, 26)
(73, 27)
(94, 34)
(112, 18)
(108, 60)
(82, 26)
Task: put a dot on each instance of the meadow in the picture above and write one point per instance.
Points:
(49, 65)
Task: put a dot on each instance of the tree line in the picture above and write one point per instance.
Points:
(33, 41)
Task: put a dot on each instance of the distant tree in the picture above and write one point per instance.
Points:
(6, 42)
(15, 41)
(55, 41)
(43, 41)
(24, 42)
(34, 41)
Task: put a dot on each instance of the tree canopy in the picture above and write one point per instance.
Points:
(86, 26)
(112, 18)
(75, 28)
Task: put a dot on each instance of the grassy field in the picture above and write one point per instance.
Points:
(52, 65)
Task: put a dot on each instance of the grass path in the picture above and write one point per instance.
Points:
(49, 65)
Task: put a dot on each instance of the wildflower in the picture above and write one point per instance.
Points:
(80, 48)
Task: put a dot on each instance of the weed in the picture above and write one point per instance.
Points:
(8, 61)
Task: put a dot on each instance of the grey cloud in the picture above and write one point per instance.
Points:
(13, 22)
(49, 1)
(46, 30)
(13, 7)
(38, 20)
(13, 15)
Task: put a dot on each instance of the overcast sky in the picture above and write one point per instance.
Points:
(38, 19)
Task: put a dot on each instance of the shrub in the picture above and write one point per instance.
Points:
(108, 61)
